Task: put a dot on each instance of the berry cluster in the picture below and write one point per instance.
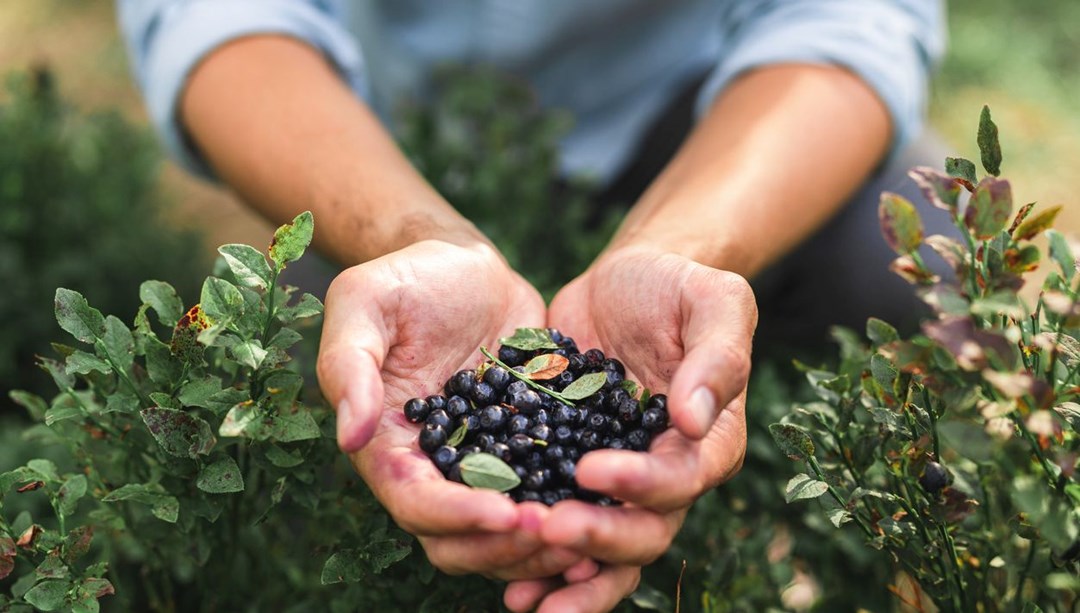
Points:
(517, 407)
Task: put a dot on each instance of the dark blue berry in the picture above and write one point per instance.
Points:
(462, 383)
(628, 411)
(594, 358)
(561, 352)
(468, 450)
(617, 443)
(573, 454)
(534, 461)
(638, 440)
(457, 406)
(485, 440)
(554, 454)
(520, 444)
(483, 394)
(527, 402)
(501, 451)
(541, 417)
(436, 402)
(556, 336)
(657, 401)
(562, 415)
(541, 432)
(565, 378)
(530, 496)
(454, 474)
(549, 497)
(590, 440)
(617, 428)
(512, 356)
(614, 379)
(566, 469)
(598, 422)
(518, 424)
(563, 435)
(654, 419)
(516, 386)
(578, 363)
(432, 437)
(470, 421)
(497, 377)
(615, 366)
(439, 418)
(934, 478)
(493, 417)
(537, 479)
(520, 471)
(444, 457)
(417, 410)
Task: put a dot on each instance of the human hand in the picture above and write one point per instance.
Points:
(676, 325)
(393, 327)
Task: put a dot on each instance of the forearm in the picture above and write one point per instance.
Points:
(774, 158)
(278, 125)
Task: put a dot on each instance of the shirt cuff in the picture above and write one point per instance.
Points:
(891, 50)
(189, 32)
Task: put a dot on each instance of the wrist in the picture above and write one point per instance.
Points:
(713, 246)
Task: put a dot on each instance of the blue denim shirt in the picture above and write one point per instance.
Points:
(615, 64)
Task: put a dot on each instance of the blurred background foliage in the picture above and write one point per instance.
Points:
(95, 175)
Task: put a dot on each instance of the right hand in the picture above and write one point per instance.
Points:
(395, 328)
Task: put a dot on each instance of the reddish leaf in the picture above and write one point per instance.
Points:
(949, 249)
(546, 366)
(1041, 221)
(968, 345)
(942, 191)
(77, 543)
(956, 505)
(98, 587)
(7, 556)
(900, 223)
(29, 487)
(1022, 260)
(184, 344)
(906, 267)
(1021, 215)
(989, 208)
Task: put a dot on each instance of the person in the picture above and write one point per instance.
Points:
(793, 105)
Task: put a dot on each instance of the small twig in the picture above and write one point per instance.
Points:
(528, 381)
(678, 587)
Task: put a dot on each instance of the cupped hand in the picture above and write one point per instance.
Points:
(394, 329)
(679, 327)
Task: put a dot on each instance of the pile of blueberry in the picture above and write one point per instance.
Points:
(517, 407)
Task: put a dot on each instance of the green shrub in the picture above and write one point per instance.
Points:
(79, 207)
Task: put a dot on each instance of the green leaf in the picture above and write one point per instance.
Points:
(629, 387)
(179, 433)
(77, 317)
(45, 469)
(247, 264)
(483, 470)
(989, 147)
(62, 413)
(545, 366)
(942, 191)
(285, 338)
(900, 223)
(651, 599)
(220, 300)
(7, 555)
(884, 372)
(792, 440)
(283, 459)
(458, 435)
(307, 306)
(1062, 254)
(880, 332)
(529, 339)
(1070, 411)
(77, 543)
(584, 386)
(1035, 224)
(249, 353)
(48, 595)
(802, 486)
(988, 210)
(35, 405)
(221, 477)
(198, 392)
(353, 565)
(118, 342)
(241, 420)
(961, 169)
(70, 493)
(83, 363)
(52, 567)
(292, 427)
(290, 240)
(838, 516)
(162, 505)
(163, 298)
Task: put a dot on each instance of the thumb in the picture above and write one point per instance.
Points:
(719, 319)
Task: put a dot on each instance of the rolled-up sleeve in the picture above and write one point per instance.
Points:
(168, 38)
(892, 45)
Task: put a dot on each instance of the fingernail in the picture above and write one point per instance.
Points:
(703, 408)
(346, 422)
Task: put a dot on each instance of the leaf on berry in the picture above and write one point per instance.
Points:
(77, 317)
(900, 223)
(70, 493)
(7, 556)
(163, 298)
(1024, 259)
(458, 435)
(221, 301)
(290, 240)
(792, 440)
(1039, 222)
(880, 332)
(529, 339)
(184, 344)
(948, 249)
(162, 505)
(989, 147)
(802, 486)
(352, 565)
(942, 191)
(546, 366)
(179, 433)
(48, 595)
(961, 169)
(585, 386)
(838, 516)
(221, 477)
(247, 264)
(77, 543)
(989, 208)
(485, 471)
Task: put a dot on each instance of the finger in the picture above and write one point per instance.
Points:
(582, 571)
(353, 347)
(423, 502)
(524, 595)
(675, 471)
(717, 342)
(604, 533)
(508, 557)
(599, 594)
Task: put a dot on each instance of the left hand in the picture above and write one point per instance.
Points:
(678, 326)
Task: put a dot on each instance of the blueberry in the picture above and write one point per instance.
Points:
(628, 411)
(596, 401)
(568, 344)
(444, 457)
(615, 366)
(497, 377)
(534, 461)
(537, 479)
(549, 497)
(617, 443)
(462, 383)
(615, 398)
(638, 440)
(530, 496)
(528, 401)
(436, 401)
(565, 493)
(578, 363)
(485, 440)
(493, 417)
(516, 386)
(541, 433)
(657, 401)
(501, 451)
(470, 421)
(556, 336)
(483, 394)
(563, 435)
(594, 358)
(598, 422)
(520, 471)
(566, 469)
(573, 454)
(561, 352)
(520, 444)
(416, 410)
(562, 415)
(541, 417)
(518, 424)
(554, 454)
(590, 440)
(617, 428)
(438, 418)
(565, 378)
(512, 356)
(457, 406)
(432, 437)
(614, 378)
(934, 478)
(454, 474)
(654, 419)
(468, 450)
(582, 417)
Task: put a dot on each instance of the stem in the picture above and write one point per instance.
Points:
(270, 306)
(958, 572)
(814, 466)
(974, 264)
(933, 423)
(1023, 576)
(528, 381)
